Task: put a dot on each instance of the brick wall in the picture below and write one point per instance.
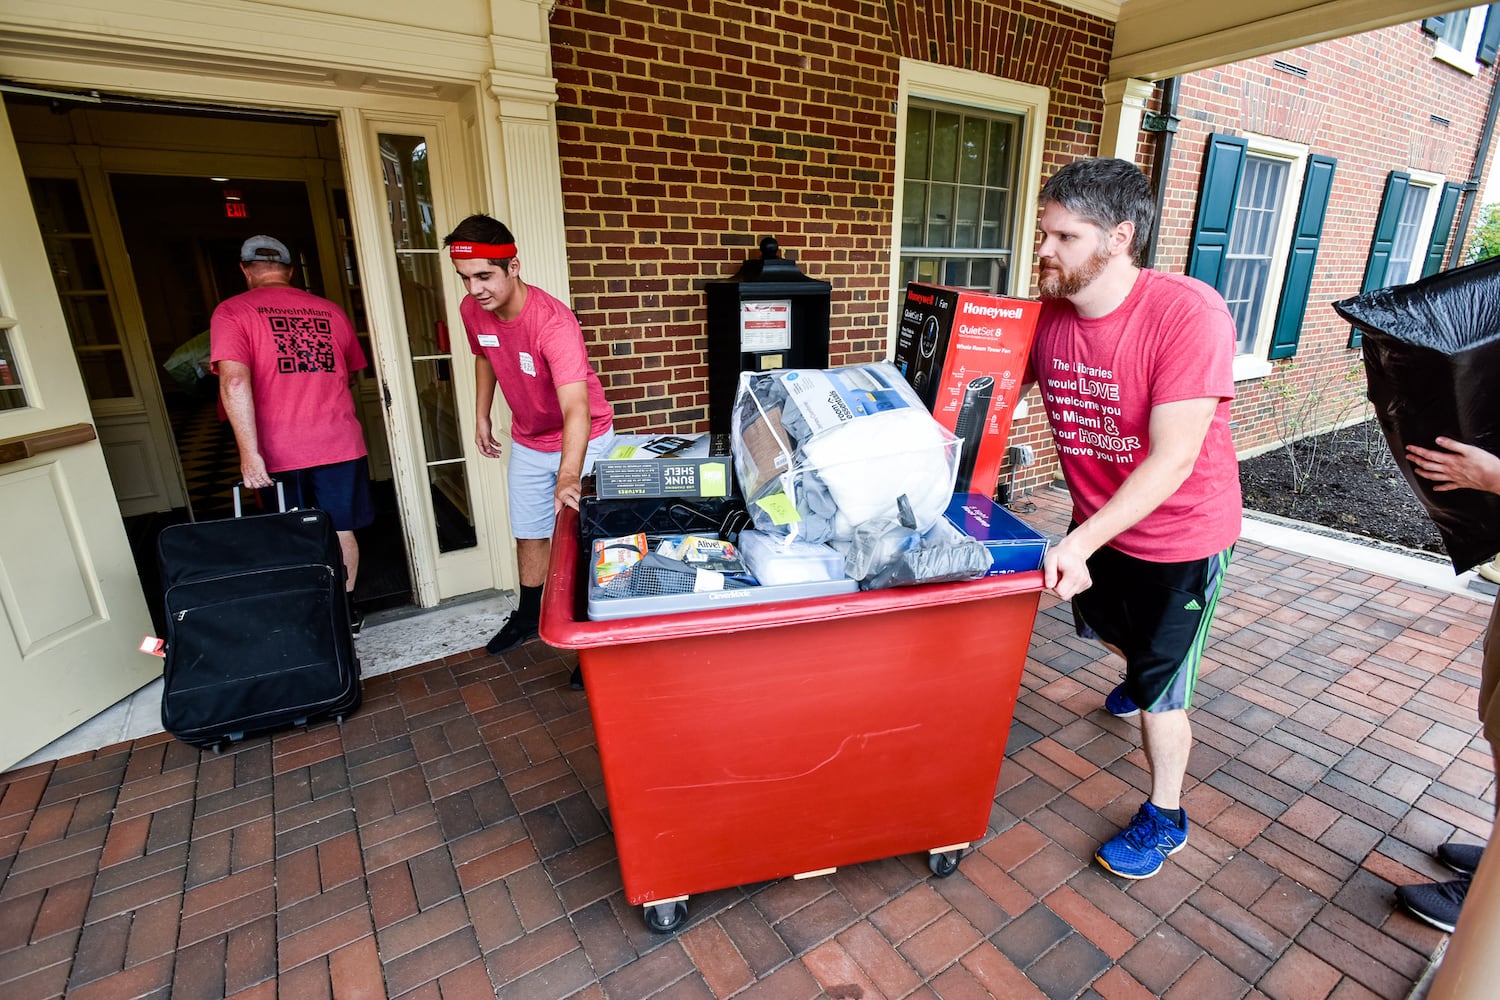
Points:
(689, 130)
(1367, 100)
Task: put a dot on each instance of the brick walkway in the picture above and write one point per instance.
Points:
(450, 839)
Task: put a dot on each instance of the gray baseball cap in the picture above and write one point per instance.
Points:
(266, 248)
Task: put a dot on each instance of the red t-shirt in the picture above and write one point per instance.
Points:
(300, 350)
(532, 355)
(1171, 339)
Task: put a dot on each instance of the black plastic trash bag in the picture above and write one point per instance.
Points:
(1432, 358)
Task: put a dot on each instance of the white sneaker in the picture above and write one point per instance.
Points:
(1490, 570)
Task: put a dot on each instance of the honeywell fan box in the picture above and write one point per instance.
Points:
(965, 353)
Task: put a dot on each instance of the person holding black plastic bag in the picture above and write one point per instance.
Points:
(1452, 465)
(530, 345)
(1432, 362)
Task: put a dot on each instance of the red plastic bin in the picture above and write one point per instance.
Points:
(746, 744)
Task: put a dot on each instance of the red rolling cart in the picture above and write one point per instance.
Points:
(750, 743)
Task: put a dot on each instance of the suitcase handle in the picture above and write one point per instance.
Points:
(280, 496)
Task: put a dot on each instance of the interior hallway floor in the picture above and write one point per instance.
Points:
(451, 840)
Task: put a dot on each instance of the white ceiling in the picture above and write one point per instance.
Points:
(1155, 39)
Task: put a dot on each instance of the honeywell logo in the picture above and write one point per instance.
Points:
(993, 312)
(926, 300)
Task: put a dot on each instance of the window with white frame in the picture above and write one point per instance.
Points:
(958, 206)
(1255, 238)
(1459, 35)
(970, 166)
(1413, 230)
(1247, 237)
(1249, 263)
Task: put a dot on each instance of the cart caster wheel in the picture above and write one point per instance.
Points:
(943, 865)
(664, 918)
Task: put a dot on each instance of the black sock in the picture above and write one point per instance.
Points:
(1175, 815)
(529, 609)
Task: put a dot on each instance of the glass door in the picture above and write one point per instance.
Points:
(407, 174)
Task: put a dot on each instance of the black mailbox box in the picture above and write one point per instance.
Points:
(769, 315)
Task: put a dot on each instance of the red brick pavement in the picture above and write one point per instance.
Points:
(451, 840)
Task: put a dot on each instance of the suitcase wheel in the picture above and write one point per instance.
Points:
(944, 864)
(664, 918)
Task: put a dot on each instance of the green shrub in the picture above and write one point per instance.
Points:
(1486, 241)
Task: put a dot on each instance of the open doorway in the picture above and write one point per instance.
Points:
(167, 212)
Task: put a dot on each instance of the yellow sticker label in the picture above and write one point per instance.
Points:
(780, 507)
(622, 451)
(715, 480)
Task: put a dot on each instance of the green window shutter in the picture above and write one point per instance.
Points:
(1317, 184)
(1442, 229)
(1385, 237)
(1223, 166)
(1489, 42)
(1434, 25)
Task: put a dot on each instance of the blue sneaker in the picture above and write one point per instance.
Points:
(1139, 850)
(1119, 704)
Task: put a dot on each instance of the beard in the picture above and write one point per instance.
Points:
(1057, 282)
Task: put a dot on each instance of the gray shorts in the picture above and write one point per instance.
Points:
(533, 482)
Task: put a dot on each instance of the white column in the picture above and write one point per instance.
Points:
(1124, 104)
(532, 177)
(529, 171)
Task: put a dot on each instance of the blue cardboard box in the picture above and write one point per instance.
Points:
(1014, 545)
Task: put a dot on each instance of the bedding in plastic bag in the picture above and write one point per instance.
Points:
(1432, 359)
(820, 451)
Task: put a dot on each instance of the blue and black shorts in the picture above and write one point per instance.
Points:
(1156, 614)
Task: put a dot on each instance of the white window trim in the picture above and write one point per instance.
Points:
(927, 81)
(1253, 363)
(1434, 185)
(1467, 57)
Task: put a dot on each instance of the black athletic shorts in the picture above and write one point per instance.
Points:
(1158, 615)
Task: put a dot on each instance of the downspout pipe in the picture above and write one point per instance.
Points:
(1476, 177)
(1164, 124)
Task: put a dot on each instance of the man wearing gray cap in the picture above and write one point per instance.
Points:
(284, 358)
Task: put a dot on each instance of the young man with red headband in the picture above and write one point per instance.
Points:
(530, 345)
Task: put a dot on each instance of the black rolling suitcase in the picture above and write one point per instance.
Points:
(257, 626)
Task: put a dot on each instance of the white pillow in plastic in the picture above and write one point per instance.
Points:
(868, 463)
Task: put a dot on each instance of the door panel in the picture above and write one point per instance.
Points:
(81, 236)
(69, 595)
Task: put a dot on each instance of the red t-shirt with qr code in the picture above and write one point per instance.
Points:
(300, 350)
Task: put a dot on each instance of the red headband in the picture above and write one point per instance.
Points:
(482, 251)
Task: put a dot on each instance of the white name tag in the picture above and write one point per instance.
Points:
(527, 364)
(488, 340)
